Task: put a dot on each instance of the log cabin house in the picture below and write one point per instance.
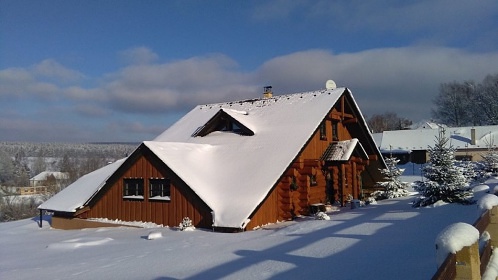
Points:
(234, 166)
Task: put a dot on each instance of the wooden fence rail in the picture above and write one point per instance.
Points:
(447, 270)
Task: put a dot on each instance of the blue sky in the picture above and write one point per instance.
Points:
(91, 71)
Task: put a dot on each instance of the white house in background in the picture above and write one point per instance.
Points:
(39, 184)
(412, 145)
(41, 179)
(427, 125)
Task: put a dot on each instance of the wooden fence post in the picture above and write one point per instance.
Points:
(492, 227)
(460, 240)
(468, 263)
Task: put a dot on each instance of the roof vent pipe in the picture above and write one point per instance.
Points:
(267, 92)
(472, 136)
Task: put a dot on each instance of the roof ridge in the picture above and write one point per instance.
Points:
(274, 98)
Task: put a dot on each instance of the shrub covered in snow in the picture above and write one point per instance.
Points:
(371, 200)
(490, 159)
(470, 170)
(322, 216)
(186, 224)
(393, 187)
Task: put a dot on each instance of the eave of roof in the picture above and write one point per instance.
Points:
(76, 195)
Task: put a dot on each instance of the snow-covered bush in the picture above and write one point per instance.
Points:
(490, 160)
(481, 174)
(186, 224)
(444, 179)
(469, 170)
(370, 200)
(393, 187)
(322, 216)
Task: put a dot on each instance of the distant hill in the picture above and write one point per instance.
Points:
(31, 149)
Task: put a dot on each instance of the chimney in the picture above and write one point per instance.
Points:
(472, 136)
(267, 93)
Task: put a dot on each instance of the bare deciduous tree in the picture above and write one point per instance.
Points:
(452, 103)
(468, 103)
(387, 121)
(488, 98)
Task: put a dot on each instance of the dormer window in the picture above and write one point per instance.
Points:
(224, 122)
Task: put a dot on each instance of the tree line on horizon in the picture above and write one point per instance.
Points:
(457, 104)
(21, 161)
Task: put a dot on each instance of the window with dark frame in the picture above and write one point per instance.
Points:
(313, 180)
(159, 188)
(463, 158)
(335, 132)
(323, 130)
(293, 185)
(133, 187)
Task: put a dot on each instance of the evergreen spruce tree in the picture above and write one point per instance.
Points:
(393, 185)
(469, 170)
(490, 158)
(491, 161)
(444, 179)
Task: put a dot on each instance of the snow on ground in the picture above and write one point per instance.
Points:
(387, 240)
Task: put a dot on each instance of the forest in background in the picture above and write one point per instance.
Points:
(20, 161)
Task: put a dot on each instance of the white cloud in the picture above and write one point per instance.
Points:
(22, 84)
(50, 68)
(177, 85)
(138, 101)
(404, 80)
(138, 55)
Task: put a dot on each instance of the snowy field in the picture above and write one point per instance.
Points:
(388, 240)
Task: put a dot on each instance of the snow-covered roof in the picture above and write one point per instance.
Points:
(427, 125)
(220, 167)
(43, 175)
(78, 193)
(342, 150)
(422, 139)
(231, 173)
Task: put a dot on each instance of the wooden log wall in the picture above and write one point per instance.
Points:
(268, 212)
(284, 202)
(183, 202)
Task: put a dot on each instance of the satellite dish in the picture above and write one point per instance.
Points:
(330, 84)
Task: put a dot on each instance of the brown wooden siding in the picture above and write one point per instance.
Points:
(345, 176)
(345, 179)
(268, 212)
(183, 201)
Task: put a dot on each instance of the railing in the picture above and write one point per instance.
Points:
(448, 269)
